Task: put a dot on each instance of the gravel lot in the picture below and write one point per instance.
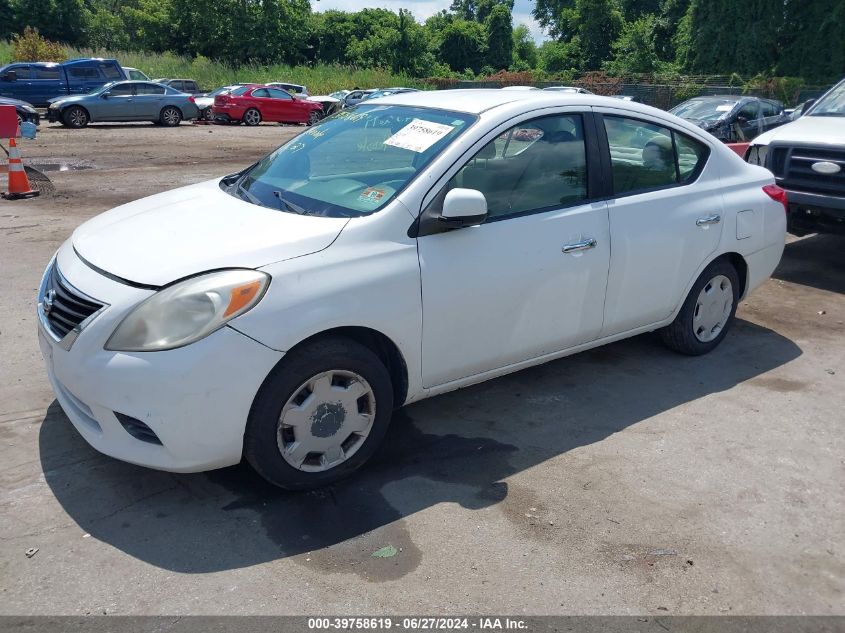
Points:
(623, 480)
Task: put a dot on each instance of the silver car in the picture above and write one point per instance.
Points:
(124, 101)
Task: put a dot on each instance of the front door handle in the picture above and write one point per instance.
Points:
(575, 247)
(710, 219)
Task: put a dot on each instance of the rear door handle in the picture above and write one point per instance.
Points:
(584, 245)
(710, 219)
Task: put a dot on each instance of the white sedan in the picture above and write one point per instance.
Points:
(402, 248)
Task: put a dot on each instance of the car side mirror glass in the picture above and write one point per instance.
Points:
(464, 207)
(742, 119)
(808, 104)
(105, 95)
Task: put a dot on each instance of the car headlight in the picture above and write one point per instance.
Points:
(757, 155)
(188, 311)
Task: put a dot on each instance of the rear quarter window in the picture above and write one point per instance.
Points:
(110, 71)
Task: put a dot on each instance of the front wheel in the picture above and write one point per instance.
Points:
(320, 414)
(171, 116)
(707, 313)
(75, 117)
(314, 117)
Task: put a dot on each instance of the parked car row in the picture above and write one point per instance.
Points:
(807, 158)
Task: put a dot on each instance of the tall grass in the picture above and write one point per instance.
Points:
(320, 78)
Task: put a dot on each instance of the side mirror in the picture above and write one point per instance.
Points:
(464, 207)
(105, 95)
(809, 103)
(742, 119)
(11, 75)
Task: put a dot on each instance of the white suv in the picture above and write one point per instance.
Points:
(807, 158)
(397, 250)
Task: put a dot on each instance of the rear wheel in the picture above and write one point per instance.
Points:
(75, 117)
(207, 115)
(252, 117)
(707, 313)
(171, 116)
(320, 414)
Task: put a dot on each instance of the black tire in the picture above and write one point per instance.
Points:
(170, 116)
(251, 117)
(75, 117)
(314, 117)
(206, 114)
(680, 335)
(261, 449)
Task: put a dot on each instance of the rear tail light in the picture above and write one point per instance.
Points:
(778, 194)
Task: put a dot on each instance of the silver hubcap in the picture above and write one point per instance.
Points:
(326, 420)
(171, 116)
(77, 117)
(713, 308)
(252, 117)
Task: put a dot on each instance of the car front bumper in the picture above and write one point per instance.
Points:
(195, 399)
(815, 213)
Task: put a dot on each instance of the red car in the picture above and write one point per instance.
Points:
(254, 104)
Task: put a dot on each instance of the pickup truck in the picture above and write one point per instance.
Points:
(807, 158)
(38, 82)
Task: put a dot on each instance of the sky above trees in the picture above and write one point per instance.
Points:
(424, 9)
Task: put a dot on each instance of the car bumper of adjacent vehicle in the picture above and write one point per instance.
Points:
(53, 114)
(181, 410)
(815, 213)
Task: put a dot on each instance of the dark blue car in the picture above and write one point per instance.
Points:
(38, 82)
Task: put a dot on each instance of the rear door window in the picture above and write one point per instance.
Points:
(83, 72)
(150, 89)
(48, 72)
(645, 156)
(279, 94)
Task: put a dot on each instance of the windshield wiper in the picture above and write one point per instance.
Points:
(246, 195)
(290, 206)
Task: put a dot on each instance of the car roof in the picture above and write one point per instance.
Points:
(478, 100)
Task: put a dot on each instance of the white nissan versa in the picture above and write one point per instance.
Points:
(400, 249)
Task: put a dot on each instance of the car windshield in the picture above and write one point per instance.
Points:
(832, 104)
(704, 109)
(352, 163)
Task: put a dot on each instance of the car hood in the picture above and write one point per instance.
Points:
(67, 99)
(15, 102)
(175, 234)
(815, 130)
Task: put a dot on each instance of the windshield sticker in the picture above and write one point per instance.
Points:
(371, 195)
(419, 135)
(724, 108)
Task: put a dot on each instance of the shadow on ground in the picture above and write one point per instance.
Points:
(817, 261)
(460, 448)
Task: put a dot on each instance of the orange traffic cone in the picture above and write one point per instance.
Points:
(18, 181)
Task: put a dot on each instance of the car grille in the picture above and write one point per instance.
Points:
(65, 307)
(793, 168)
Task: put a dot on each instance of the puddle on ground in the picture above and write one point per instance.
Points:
(59, 165)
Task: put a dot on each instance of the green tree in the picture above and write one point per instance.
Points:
(499, 38)
(524, 49)
(634, 51)
(813, 41)
(57, 20)
(106, 30)
(7, 21)
(599, 23)
(463, 45)
(557, 57)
